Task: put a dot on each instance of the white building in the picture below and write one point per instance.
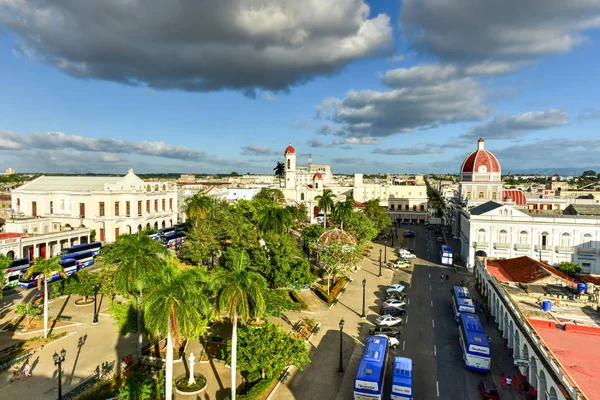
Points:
(111, 205)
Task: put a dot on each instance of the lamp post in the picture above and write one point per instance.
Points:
(96, 287)
(363, 315)
(58, 360)
(341, 368)
(392, 239)
(385, 252)
(380, 263)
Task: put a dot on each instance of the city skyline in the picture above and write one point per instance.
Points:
(368, 87)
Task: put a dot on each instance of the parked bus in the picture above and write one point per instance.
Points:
(173, 239)
(402, 379)
(83, 259)
(476, 349)
(446, 255)
(96, 247)
(370, 376)
(17, 269)
(164, 231)
(69, 268)
(462, 302)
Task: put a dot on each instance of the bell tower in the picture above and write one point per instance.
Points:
(290, 167)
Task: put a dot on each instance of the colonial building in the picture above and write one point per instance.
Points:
(111, 205)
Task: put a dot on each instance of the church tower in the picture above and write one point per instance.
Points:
(290, 167)
(480, 177)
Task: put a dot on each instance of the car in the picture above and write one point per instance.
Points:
(488, 392)
(393, 311)
(408, 255)
(388, 320)
(400, 264)
(408, 233)
(395, 295)
(392, 341)
(394, 303)
(389, 331)
(396, 287)
(440, 239)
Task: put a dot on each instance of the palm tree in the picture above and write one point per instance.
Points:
(5, 263)
(342, 210)
(279, 171)
(241, 297)
(176, 306)
(44, 269)
(140, 259)
(325, 202)
(274, 219)
(197, 207)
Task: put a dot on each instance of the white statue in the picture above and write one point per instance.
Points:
(191, 358)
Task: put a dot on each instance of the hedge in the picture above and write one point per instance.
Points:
(257, 391)
(296, 298)
(333, 292)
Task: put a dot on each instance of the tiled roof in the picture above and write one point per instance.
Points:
(478, 158)
(516, 195)
(485, 207)
(289, 149)
(520, 269)
(11, 235)
(582, 209)
(357, 204)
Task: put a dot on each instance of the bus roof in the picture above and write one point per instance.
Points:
(371, 364)
(68, 262)
(461, 291)
(465, 301)
(446, 248)
(402, 372)
(475, 333)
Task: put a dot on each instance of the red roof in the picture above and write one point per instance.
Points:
(357, 204)
(289, 149)
(318, 176)
(11, 235)
(577, 348)
(523, 270)
(480, 158)
(516, 196)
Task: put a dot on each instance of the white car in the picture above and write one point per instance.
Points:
(395, 287)
(388, 320)
(392, 341)
(394, 303)
(406, 254)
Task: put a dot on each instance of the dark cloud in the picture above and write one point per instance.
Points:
(510, 127)
(196, 45)
(258, 151)
(588, 114)
(410, 151)
(496, 31)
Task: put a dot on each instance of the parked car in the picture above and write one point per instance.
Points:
(488, 392)
(393, 311)
(396, 287)
(394, 303)
(399, 264)
(389, 331)
(408, 233)
(396, 295)
(392, 341)
(407, 254)
(388, 320)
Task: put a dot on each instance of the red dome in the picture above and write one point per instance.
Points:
(318, 176)
(481, 161)
(289, 149)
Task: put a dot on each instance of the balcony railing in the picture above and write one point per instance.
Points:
(564, 249)
(523, 246)
(480, 244)
(501, 246)
(586, 250)
(543, 247)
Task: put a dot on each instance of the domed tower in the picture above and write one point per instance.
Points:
(318, 181)
(480, 177)
(290, 167)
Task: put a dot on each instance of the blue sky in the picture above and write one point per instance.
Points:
(381, 86)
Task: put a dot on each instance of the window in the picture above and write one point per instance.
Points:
(414, 207)
(101, 207)
(148, 206)
(81, 210)
(422, 207)
(481, 235)
(51, 207)
(164, 204)
(148, 188)
(586, 267)
(502, 236)
(139, 208)
(587, 241)
(469, 195)
(316, 185)
(523, 237)
(301, 196)
(34, 209)
(288, 163)
(565, 240)
(116, 208)
(116, 233)
(391, 206)
(155, 205)
(544, 239)
(164, 187)
(171, 204)
(494, 196)
(128, 209)
(481, 195)
(406, 207)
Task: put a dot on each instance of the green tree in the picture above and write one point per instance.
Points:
(5, 263)
(176, 307)
(285, 266)
(361, 227)
(274, 219)
(325, 203)
(268, 197)
(377, 214)
(263, 353)
(299, 212)
(241, 296)
(337, 256)
(27, 310)
(279, 170)
(44, 269)
(569, 268)
(342, 210)
(140, 259)
(590, 173)
(197, 207)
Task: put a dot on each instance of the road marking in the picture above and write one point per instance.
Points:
(432, 323)
(430, 288)
(403, 344)
(406, 320)
(430, 275)
(434, 350)
(409, 302)
(437, 388)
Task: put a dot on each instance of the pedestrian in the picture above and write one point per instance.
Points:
(16, 373)
(123, 363)
(521, 391)
(514, 382)
(503, 380)
(26, 370)
(447, 277)
(487, 317)
(508, 382)
(442, 277)
(461, 283)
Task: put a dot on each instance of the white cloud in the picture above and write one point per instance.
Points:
(260, 151)
(410, 151)
(510, 127)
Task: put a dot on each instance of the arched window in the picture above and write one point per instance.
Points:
(288, 163)
(587, 241)
(502, 236)
(164, 187)
(544, 240)
(156, 188)
(316, 185)
(523, 237)
(301, 196)
(565, 240)
(148, 188)
(481, 237)
(391, 206)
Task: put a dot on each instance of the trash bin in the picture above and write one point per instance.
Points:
(546, 305)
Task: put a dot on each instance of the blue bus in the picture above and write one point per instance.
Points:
(368, 383)
(462, 302)
(96, 247)
(164, 231)
(446, 255)
(69, 268)
(477, 352)
(173, 239)
(402, 379)
(84, 258)
(17, 269)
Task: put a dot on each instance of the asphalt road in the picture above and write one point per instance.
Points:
(429, 333)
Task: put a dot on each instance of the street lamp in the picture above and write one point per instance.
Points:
(341, 368)
(58, 360)
(96, 287)
(363, 315)
(380, 263)
(385, 252)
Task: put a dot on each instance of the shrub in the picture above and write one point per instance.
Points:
(333, 292)
(277, 302)
(257, 391)
(125, 316)
(297, 299)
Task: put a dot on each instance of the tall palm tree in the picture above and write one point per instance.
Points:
(5, 263)
(197, 207)
(342, 210)
(325, 202)
(279, 170)
(176, 306)
(44, 269)
(241, 297)
(274, 219)
(140, 259)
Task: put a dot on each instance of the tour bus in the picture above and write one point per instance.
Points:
(446, 255)
(69, 268)
(96, 247)
(173, 239)
(84, 258)
(462, 302)
(402, 379)
(476, 349)
(17, 269)
(368, 383)
(164, 231)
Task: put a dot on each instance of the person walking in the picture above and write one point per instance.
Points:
(509, 382)
(16, 373)
(487, 317)
(447, 277)
(442, 277)
(503, 380)
(27, 370)
(514, 382)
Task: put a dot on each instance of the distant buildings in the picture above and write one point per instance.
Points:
(9, 171)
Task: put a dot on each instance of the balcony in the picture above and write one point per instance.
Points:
(480, 245)
(565, 249)
(523, 246)
(543, 247)
(586, 250)
(501, 246)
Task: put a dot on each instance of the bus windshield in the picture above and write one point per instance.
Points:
(446, 255)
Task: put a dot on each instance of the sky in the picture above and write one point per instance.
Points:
(382, 86)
